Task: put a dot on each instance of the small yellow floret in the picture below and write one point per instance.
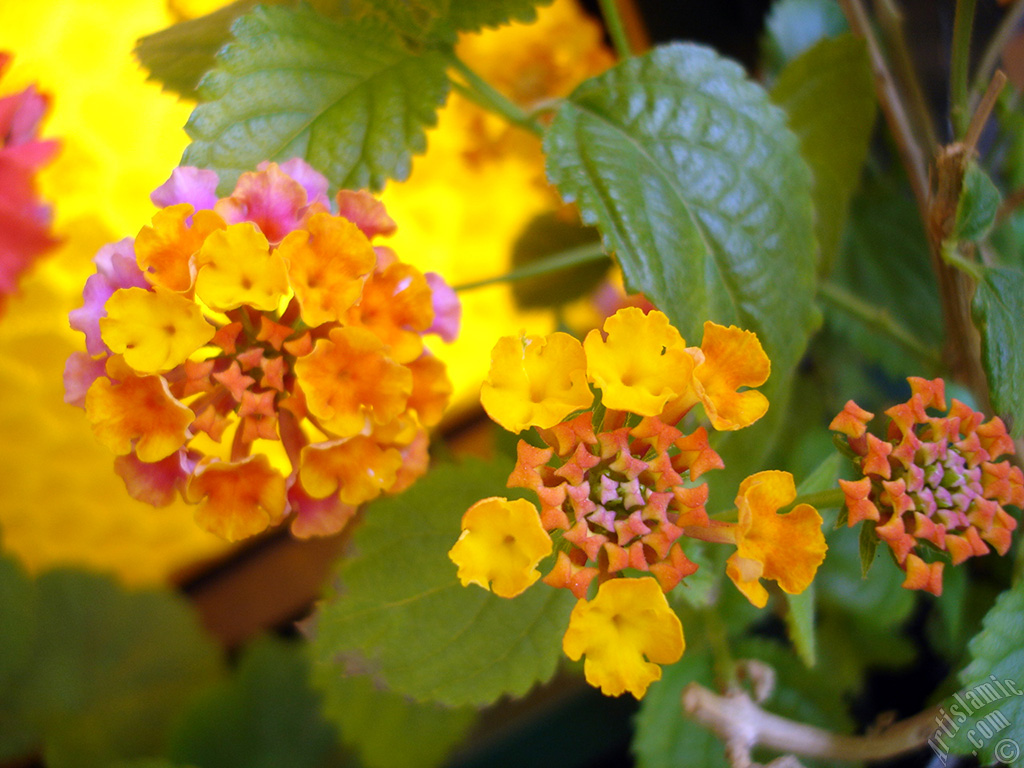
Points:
(236, 267)
(535, 381)
(643, 363)
(786, 548)
(625, 633)
(501, 544)
(155, 330)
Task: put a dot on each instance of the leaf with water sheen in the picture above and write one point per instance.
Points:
(349, 98)
(401, 615)
(698, 188)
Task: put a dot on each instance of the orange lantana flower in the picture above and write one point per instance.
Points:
(786, 548)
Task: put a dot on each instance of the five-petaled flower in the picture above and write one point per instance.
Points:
(931, 483)
(259, 355)
(619, 493)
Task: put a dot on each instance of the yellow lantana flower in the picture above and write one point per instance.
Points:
(154, 330)
(641, 365)
(625, 633)
(535, 381)
(236, 267)
(786, 548)
(501, 544)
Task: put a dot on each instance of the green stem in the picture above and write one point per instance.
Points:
(879, 319)
(960, 63)
(951, 255)
(718, 638)
(616, 29)
(490, 98)
(564, 260)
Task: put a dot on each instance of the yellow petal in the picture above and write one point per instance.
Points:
(236, 267)
(643, 363)
(732, 358)
(785, 548)
(535, 381)
(327, 266)
(501, 544)
(625, 633)
(155, 330)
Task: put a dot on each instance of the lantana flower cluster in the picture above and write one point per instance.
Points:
(620, 491)
(257, 354)
(931, 482)
(24, 217)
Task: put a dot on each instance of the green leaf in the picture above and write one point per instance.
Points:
(401, 614)
(997, 310)
(978, 205)
(885, 262)
(473, 15)
(386, 729)
(266, 715)
(698, 188)
(18, 735)
(111, 668)
(666, 739)
(180, 55)
(868, 546)
(349, 98)
(986, 717)
(829, 95)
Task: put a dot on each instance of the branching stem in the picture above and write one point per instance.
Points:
(574, 256)
(616, 29)
(742, 725)
(879, 319)
(960, 62)
(478, 90)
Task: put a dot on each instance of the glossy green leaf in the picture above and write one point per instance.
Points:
(978, 205)
(349, 98)
(111, 668)
(986, 717)
(829, 95)
(441, 19)
(698, 188)
(266, 716)
(400, 613)
(386, 729)
(997, 311)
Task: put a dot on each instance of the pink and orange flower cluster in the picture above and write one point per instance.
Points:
(259, 355)
(24, 218)
(619, 492)
(934, 482)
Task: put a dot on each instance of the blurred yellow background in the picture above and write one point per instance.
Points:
(465, 203)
